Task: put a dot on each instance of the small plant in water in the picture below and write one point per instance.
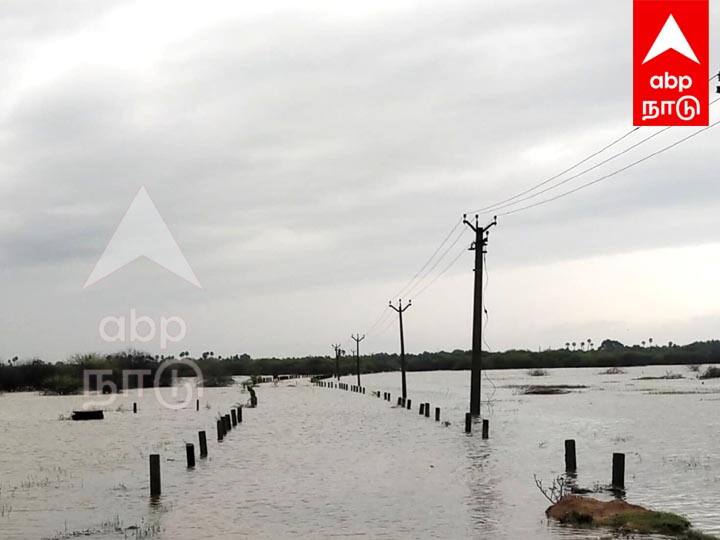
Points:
(537, 372)
(559, 488)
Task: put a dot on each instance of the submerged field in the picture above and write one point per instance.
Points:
(311, 462)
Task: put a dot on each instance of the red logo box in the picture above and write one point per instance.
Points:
(671, 62)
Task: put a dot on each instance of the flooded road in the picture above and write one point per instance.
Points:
(312, 462)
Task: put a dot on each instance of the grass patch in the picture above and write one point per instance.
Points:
(613, 371)
(61, 385)
(711, 373)
(669, 376)
(545, 389)
(649, 523)
(565, 386)
(549, 389)
(665, 523)
(623, 518)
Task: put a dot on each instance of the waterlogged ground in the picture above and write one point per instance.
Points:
(312, 463)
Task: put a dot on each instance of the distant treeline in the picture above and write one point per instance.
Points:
(67, 377)
(103, 373)
(609, 354)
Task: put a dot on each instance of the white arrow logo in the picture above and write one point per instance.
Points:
(142, 233)
(671, 37)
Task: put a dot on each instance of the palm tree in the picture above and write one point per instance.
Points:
(650, 340)
(573, 345)
(642, 343)
(589, 342)
(567, 346)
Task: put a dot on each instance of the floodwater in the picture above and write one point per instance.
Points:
(314, 463)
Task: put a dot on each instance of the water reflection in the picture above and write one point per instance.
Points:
(484, 498)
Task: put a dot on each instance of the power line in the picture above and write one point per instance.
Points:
(446, 269)
(576, 176)
(500, 205)
(503, 204)
(437, 262)
(410, 284)
(488, 378)
(419, 277)
(447, 237)
(382, 316)
(408, 291)
(387, 326)
(558, 175)
(614, 173)
(564, 194)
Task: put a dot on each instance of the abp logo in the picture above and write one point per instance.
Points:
(670, 62)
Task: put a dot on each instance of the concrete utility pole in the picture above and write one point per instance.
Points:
(479, 245)
(357, 339)
(338, 353)
(400, 310)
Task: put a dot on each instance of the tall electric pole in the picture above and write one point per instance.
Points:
(357, 339)
(479, 245)
(400, 310)
(338, 353)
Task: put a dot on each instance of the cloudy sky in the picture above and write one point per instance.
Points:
(309, 157)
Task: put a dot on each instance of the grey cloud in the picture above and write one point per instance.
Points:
(360, 140)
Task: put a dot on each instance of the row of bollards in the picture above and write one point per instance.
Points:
(224, 425)
(618, 464)
(341, 386)
(407, 403)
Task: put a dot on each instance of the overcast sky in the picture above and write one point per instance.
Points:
(308, 158)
